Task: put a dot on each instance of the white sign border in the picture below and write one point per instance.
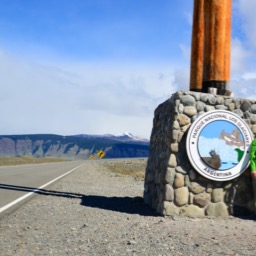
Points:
(192, 145)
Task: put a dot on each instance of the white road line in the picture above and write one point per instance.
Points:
(35, 190)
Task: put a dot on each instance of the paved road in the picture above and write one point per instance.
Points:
(16, 181)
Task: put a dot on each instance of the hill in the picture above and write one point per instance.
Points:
(75, 146)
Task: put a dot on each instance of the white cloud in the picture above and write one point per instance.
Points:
(181, 79)
(244, 88)
(189, 18)
(186, 51)
(247, 9)
(243, 53)
(72, 98)
(239, 58)
(107, 97)
(249, 75)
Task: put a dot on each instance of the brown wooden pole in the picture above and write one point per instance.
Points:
(197, 47)
(216, 71)
(228, 43)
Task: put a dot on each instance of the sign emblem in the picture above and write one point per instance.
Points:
(218, 145)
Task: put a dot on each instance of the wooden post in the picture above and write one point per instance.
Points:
(197, 47)
(210, 53)
(228, 44)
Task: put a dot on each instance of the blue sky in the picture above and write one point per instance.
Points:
(95, 29)
(103, 66)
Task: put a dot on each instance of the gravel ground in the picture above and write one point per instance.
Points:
(96, 212)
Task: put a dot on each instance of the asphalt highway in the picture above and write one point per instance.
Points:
(17, 181)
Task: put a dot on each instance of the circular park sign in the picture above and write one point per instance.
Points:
(218, 145)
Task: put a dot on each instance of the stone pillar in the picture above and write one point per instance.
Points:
(172, 185)
(210, 53)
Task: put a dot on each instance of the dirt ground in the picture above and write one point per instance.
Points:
(97, 210)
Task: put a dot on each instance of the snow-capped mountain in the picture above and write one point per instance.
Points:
(130, 136)
(124, 137)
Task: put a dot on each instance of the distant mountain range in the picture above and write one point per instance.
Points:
(80, 146)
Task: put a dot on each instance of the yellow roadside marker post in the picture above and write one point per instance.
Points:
(101, 154)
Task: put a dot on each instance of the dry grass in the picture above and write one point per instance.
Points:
(26, 160)
(130, 167)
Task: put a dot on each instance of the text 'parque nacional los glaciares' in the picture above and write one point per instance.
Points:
(218, 145)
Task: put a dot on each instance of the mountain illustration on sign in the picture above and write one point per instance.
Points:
(234, 140)
(221, 145)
